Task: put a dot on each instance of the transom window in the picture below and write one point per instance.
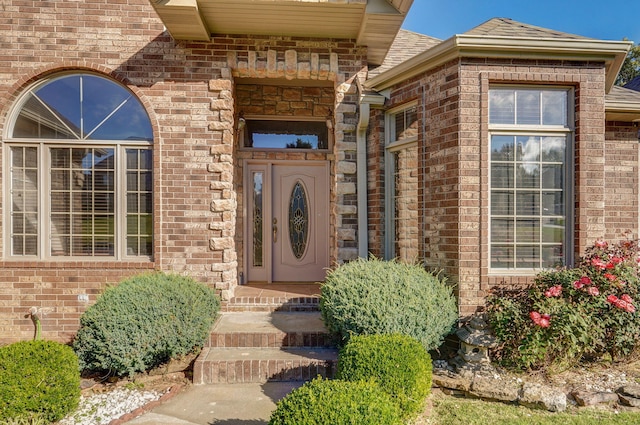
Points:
(530, 139)
(79, 164)
(281, 134)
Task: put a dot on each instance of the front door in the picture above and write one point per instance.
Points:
(287, 235)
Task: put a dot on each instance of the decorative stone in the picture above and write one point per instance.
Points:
(585, 398)
(629, 395)
(476, 339)
(452, 383)
(632, 390)
(486, 387)
(628, 400)
(536, 395)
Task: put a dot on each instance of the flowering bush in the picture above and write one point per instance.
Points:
(572, 315)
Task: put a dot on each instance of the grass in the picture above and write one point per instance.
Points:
(448, 410)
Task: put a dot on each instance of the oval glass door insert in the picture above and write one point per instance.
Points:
(298, 220)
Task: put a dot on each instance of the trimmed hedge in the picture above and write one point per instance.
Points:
(145, 321)
(397, 363)
(383, 297)
(323, 402)
(39, 380)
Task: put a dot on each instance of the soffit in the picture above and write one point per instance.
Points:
(371, 23)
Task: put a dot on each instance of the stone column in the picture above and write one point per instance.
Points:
(224, 262)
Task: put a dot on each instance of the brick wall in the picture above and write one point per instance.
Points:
(376, 182)
(621, 181)
(188, 90)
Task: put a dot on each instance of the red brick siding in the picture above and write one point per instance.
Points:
(376, 182)
(621, 181)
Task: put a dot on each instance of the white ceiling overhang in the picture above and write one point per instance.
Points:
(371, 23)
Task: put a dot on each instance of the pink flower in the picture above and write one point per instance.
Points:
(599, 243)
(617, 260)
(583, 281)
(554, 291)
(598, 263)
(545, 321)
(623, 303)
(542, 320)
(593, 290)
(610, 277)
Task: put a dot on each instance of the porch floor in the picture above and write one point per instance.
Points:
(278, 290)
(274, 296)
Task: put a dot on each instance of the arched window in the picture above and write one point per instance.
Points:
(78, 167)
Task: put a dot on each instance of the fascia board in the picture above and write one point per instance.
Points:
(464, 45)
(622, 107)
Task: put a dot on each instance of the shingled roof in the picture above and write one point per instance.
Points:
(505, 27)
(406, 45)
(633, 84)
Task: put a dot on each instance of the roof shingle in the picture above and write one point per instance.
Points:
(505, 27)
(406, 45)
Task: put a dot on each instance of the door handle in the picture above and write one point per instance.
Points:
(275, 230)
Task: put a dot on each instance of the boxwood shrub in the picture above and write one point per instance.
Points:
(144, 321)
(398, 363)
(382, 297)
(322, 402)
(39, 381)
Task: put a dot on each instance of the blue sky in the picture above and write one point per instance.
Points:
(590, 18)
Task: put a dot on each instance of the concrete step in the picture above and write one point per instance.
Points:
(244, 365)
(269, 330)
(271, 303)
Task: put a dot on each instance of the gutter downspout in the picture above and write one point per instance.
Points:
(366, 100)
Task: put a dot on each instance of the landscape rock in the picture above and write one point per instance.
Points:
(452, 383)
(586, 398)
(627, 400)
(537, 395)
(631, 390)
(488, 387)
(629, 395)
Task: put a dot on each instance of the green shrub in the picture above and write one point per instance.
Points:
(39, 381)
(382, 297)
(322, 402)
(145, 321)
(571, 315)
(398, 363)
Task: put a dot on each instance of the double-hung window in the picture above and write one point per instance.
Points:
(78, 172)
(530, 177)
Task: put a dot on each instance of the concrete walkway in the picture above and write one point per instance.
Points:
(219, 404)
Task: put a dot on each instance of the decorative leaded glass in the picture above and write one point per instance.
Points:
(298, 220)
(257, 220)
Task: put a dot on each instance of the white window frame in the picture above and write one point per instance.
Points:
(568, 132)
(43, 146)
(391, 147)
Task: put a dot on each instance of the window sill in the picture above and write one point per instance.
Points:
(75, 263)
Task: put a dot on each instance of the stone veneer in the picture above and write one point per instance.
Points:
(189, 90)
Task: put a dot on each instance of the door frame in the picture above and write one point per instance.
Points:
(266, 166)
